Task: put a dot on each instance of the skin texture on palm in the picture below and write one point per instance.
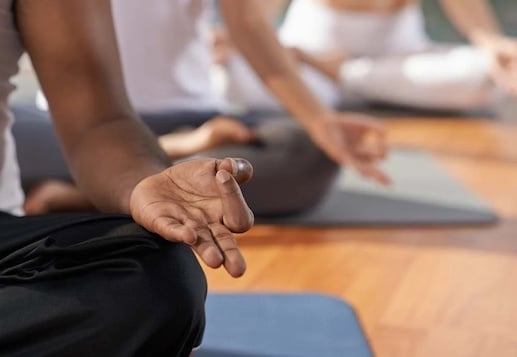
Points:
(199, 203)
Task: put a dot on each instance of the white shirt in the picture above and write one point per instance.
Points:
(11, 194)
(356, 33)
(166, 54)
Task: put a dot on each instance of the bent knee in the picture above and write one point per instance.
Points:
(157, 309)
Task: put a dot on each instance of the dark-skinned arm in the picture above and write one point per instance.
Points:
(73, 49)
(114, 158)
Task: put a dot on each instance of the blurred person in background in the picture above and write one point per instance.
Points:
(378, 51)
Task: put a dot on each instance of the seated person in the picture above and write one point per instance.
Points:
(378, 51)
(166, 62)
(123, 281)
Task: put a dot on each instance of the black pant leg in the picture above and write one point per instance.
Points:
(96, 285)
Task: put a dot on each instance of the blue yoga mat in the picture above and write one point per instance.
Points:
(274, 325)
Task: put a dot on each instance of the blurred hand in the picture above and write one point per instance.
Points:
(222, 46)
(503, 55)
(199, 203)
(355, 140)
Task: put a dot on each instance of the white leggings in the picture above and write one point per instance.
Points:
(447, 79)
(390, 61)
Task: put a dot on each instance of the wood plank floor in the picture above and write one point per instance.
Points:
(419, 292)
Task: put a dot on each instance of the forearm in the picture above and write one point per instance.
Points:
(110, 159)
(73, 48)
(474, 18)
(272, 9)
(255, 38)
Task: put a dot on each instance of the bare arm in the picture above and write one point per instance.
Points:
(340, 135)
(474, 18)
(74, 51)
(117, 161)
(273, 9)
(254, 37)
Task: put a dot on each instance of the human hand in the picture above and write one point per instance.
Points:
(222, 46)
(354, 140)
(199, 203)
(502, 52)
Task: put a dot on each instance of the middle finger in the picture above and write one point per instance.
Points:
(234, 262)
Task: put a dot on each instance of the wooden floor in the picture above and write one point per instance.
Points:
(428, 292)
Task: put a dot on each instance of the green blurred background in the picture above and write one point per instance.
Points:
(440, 29)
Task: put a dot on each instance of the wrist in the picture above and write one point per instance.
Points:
(135, 184)
(313, 118)
(486, 39)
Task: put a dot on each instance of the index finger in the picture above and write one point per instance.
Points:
(237, 216)
(371, 171)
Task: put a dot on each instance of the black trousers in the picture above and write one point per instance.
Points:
(96, 285)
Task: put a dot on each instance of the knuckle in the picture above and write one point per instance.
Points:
(231, 250)
(224, 236)
(203, 243)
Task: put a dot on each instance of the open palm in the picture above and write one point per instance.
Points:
(198, 202)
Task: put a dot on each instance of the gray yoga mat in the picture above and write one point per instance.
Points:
(287, 325)
(423, 193)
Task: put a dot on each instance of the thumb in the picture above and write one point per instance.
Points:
(237, 216)
(240, 169)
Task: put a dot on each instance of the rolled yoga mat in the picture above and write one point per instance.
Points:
(423, 193)
(287, 325)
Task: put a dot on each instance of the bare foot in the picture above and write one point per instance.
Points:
(215, 132)
(55, 196)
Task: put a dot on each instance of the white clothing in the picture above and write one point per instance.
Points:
(11, 194)
(354, 33)
(166, 54)
(386, 62)
(452, 79)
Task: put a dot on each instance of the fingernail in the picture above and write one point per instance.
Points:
(223, 176)
(241, 165)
